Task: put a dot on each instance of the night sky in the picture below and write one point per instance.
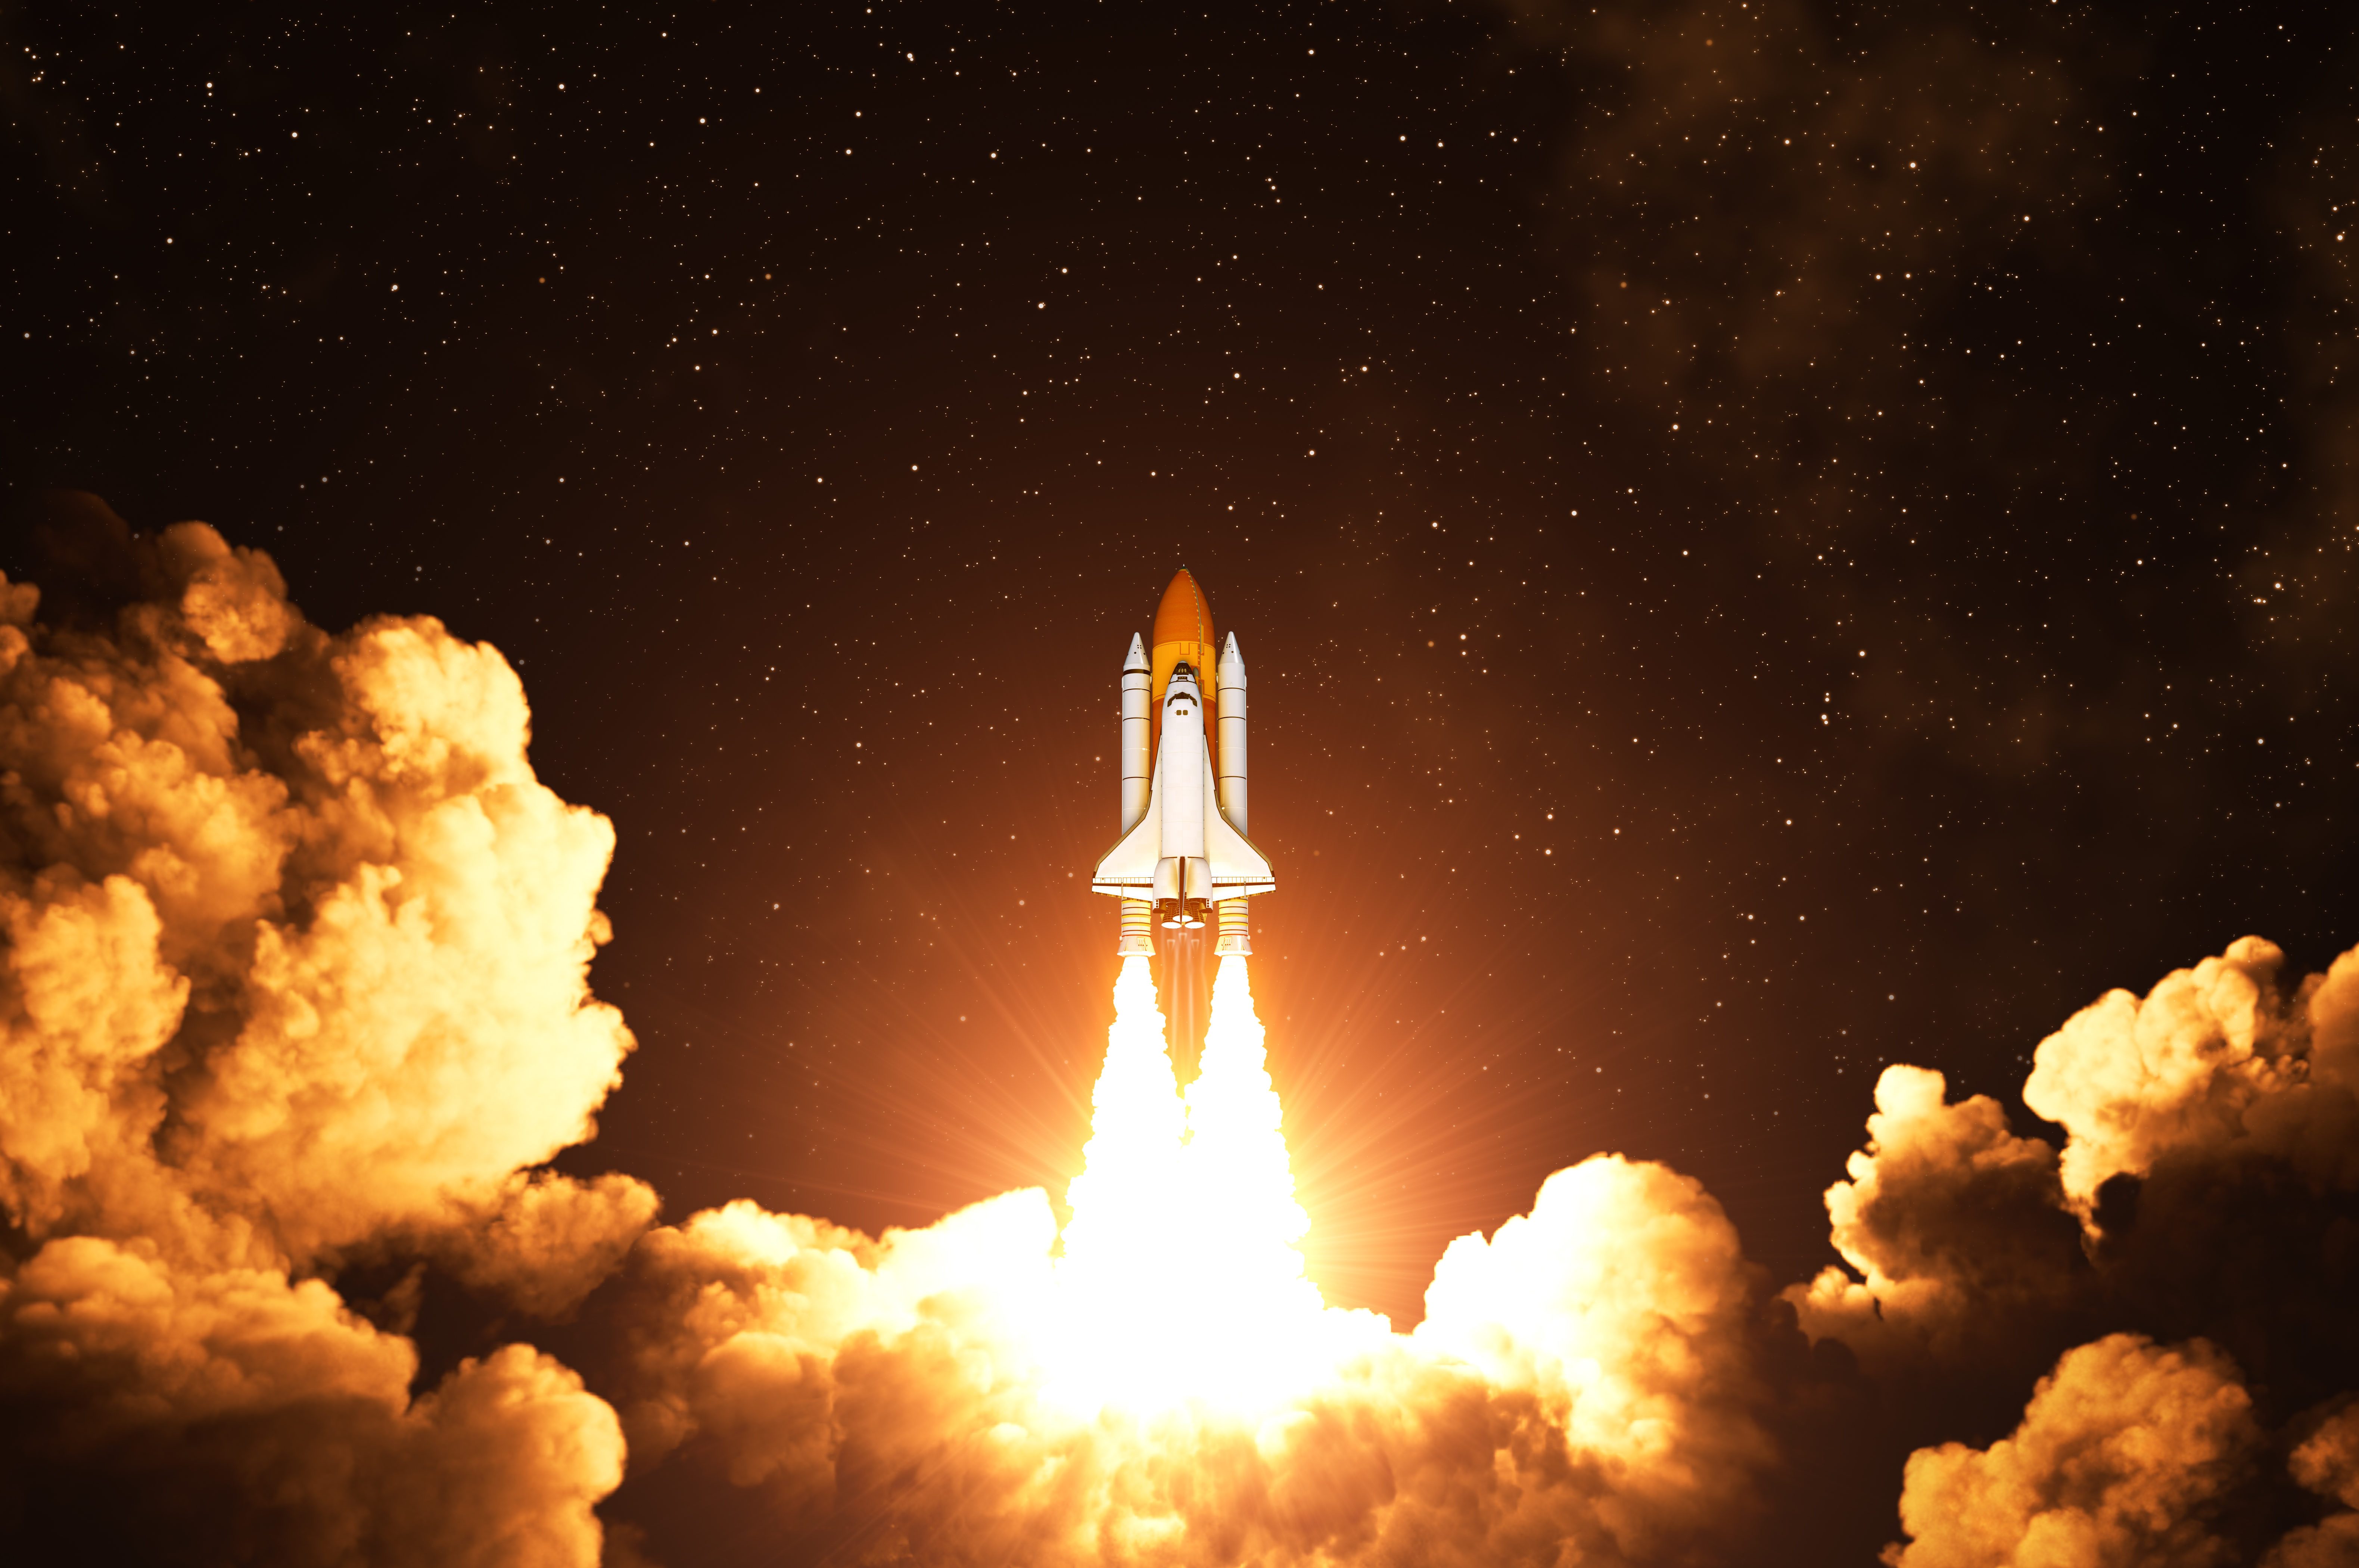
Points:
(1768, 539)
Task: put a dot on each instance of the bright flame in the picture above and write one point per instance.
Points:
(1170, 1388)
(1118, 1284)
(1181, 1279)
(1256, 1305)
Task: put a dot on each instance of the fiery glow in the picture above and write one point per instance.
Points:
(270, 1009)
(1181, 1279)
(1258, 1314)
(388, 910)
(1119, 1284)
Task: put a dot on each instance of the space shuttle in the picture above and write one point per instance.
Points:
(1184, 854)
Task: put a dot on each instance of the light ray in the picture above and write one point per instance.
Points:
(1181, 1279)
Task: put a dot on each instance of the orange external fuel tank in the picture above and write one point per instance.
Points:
(1184, 631)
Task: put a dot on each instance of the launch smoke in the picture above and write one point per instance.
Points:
(294, 969)
(293, 993)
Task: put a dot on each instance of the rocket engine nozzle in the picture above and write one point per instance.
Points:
(1234, 937)
(1137, 930)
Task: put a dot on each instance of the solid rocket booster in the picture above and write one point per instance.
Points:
(1183, 851)
(1229, 710)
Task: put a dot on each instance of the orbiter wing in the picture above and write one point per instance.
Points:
(1235, 868)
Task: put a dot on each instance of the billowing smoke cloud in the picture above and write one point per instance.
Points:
(2126, 1453)
(2217, 1065)
(1587, 1381)
(2209, 1173)
(159, 1414)
(2222, 1103)
(1957, 1232)
(295, 982)
(2327, 1462)
(1605, 1380)
(2132, 1453)
(294, 971)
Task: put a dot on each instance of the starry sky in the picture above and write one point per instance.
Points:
(1768, 539)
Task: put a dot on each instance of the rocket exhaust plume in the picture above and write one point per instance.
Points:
(1239, 1173)
(1184, 1223)
(1184, 1228)
(1164, 1382)
(1122, 1280)
(294, 979)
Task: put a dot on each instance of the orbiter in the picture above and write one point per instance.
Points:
(1183, 851)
